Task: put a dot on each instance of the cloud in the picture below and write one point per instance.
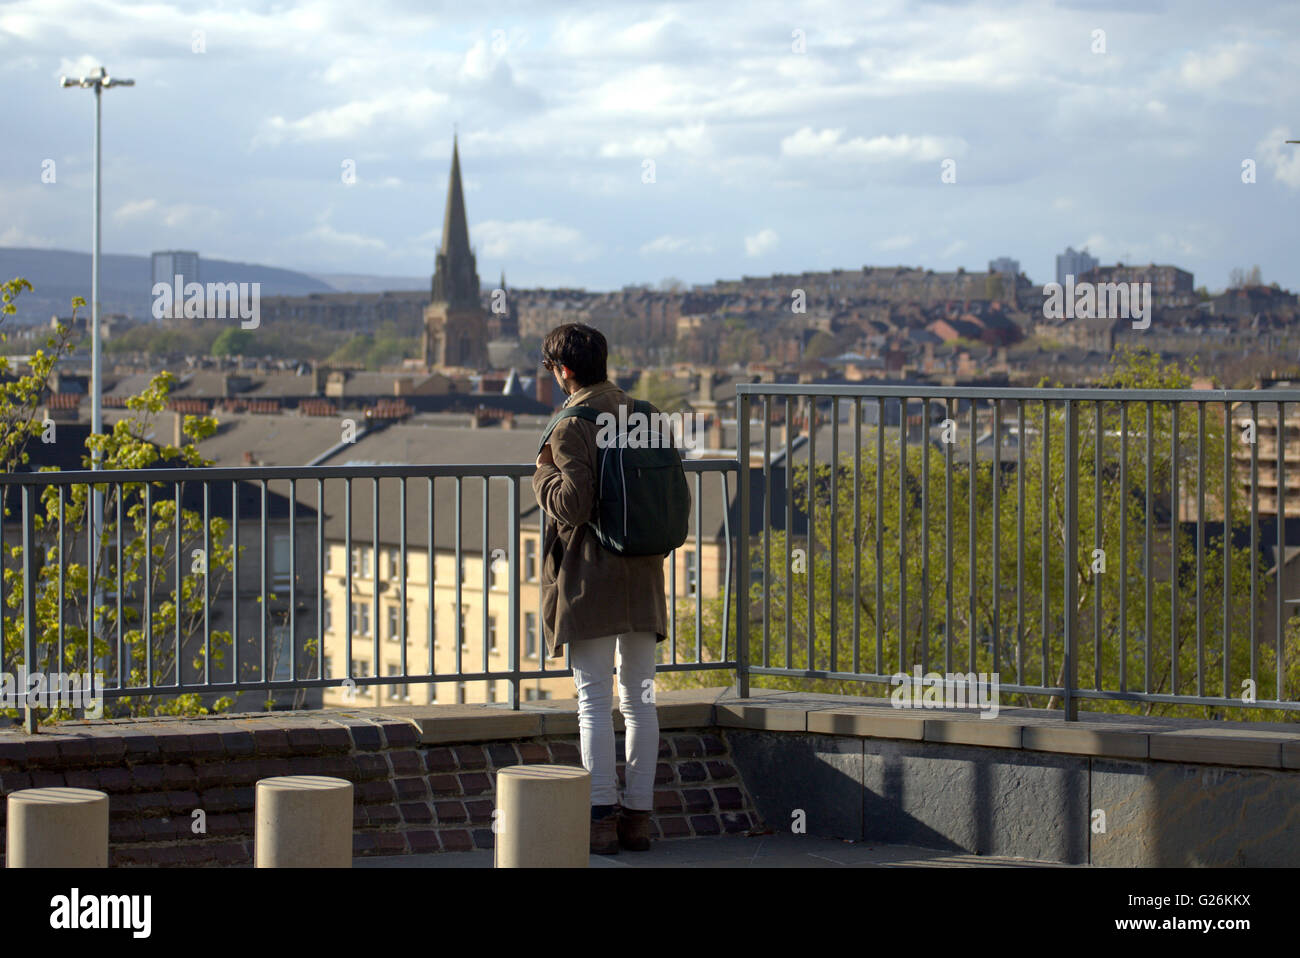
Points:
(761, 242)
(828, 144)
(895, 242)
(1210, 70)
(675, 244)
(1282, 158)
(535, 240)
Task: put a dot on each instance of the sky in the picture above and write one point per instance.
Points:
(613, 143)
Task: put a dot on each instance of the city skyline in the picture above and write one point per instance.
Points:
(766, 160)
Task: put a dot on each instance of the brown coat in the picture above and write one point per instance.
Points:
(587, 590)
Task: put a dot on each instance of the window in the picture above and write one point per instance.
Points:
(531, 694)
(398, 693)
(433, 692)
(464, 632)
(464, 571)
(327, 666)
(360, 619)
(491, 691)
(329, 560)
(530, 560)
(499, 567)
(530, 635)
(394, 564)
(492, 633)
(326, 616)
(692, 577)
(395, 624)
(360, 668)
(460, 693)
(360, 562)
(280, 561)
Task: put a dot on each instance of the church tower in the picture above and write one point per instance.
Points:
(455, 325)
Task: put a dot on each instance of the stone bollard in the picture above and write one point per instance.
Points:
(57, 828)
(543, 817)
(303, 821)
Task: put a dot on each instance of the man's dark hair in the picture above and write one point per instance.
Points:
(579, 347)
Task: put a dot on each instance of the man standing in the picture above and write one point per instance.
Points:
(596, 601)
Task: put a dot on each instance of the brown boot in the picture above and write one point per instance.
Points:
(634, 829)
(604, 834)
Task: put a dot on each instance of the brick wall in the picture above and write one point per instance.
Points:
(409, 798)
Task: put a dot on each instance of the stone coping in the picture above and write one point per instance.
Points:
(1193, 741)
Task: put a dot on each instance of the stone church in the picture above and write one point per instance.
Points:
(455, 323)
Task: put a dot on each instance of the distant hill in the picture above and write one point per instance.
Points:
(360, 283)
(126, 282)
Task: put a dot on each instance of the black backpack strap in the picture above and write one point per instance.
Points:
(583, 412)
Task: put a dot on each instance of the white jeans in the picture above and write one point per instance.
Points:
(593, 660)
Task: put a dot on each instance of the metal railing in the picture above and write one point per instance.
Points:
(106, 598)
(979, 491)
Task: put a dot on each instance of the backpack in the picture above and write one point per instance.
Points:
(643, 504)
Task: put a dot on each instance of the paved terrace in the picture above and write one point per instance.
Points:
(876, 785)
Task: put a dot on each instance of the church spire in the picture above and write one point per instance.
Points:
(455, 277)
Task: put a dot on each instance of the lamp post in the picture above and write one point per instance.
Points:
(99, 80)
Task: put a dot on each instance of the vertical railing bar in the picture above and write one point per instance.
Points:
(347, 567)
(460, 575)
(879, 523)
(926, 633)
(432, 614)
(266, 610)
(485, 554)
(401, 534)
(234, 577)
(147, 592)
(789, 532)
(1098, 453)
(996, 474)
(1070, 598)
(1227, 543)
(513, 585)
(1280, 630)
(207, 566)
(1200, 548)
(293, 579)
(320, 579)
(971, 478)
(902, 533)
(742, 623)
(1045, 537)
(1148, 550)
(90, 649)
(375, 553)
(177, 559)
(1123, 546)
(743, 579)
(811, 558)
(835, 532)
(1254, 541)
(1175, 516)
(857, 531)
(30, 664)
(1020, 540)
(699, 570)
(950, 412)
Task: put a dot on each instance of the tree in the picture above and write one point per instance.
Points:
(232, 342)
(924, 603)
(152, 631)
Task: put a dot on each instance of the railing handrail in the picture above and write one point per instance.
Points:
(267, 473)
(1086, 393)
